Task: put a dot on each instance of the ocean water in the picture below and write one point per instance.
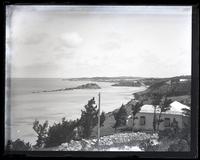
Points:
(23, 106)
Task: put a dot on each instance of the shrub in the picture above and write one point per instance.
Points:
(60, 133)
(18, 145)
(180, 145)
(41, 130)
(120, 117)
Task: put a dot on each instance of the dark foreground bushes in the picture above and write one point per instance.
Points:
(61, 132)
(18, 145)
(56, 134)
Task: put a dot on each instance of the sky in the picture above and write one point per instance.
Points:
(88, 41)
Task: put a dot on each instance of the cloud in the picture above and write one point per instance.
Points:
(31, 38)
(71, 39)
(111, 45)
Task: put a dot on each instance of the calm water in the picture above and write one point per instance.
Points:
(26, 106)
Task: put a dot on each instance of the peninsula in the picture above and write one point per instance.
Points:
(84, 86)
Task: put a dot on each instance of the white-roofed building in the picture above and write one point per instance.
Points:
(146, 115)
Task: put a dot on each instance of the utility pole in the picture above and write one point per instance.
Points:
(98, 121)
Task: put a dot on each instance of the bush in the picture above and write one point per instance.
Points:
(167, 133)
(120, 117)
(41, 130)
(60, 133)
(180, 145)
(18, 145)
(148, 145)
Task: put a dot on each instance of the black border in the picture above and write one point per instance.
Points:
(195, 85)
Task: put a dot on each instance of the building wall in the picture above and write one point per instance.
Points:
(149, 121)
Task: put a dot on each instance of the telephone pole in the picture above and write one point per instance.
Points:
(99, 121)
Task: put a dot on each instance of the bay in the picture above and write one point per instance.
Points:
(25, 106)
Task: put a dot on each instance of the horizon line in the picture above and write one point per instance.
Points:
(102, 77)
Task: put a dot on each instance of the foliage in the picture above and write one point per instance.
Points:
(128, 83)
(18, 145)
(60, 133)
(176, 88)
(179, 137)
(135, 109)
(41, 130)
(120, 117)
(88, 118)
(180, 145)
(156, 99)
(164, 106)
(148, 145)
(102, 118)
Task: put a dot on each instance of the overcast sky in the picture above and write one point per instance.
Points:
(83, 41)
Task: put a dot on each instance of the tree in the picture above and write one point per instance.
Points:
(102, 118)
(135, 109)
(156, 99)
(41, 130)
(186, 131)
(61, 133)
(88, 118)
(120, 117)
(164, 106)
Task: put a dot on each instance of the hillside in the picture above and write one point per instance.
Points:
(128, 83)
(174, 88)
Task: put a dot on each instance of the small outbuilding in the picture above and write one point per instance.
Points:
(145, 117)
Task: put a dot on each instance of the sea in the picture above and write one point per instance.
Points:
(23, 106)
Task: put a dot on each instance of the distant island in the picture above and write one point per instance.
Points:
(84, 86)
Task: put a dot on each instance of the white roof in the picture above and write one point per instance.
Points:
(176, 108)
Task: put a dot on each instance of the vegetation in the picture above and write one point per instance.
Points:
(102, 118)
(120, 117)
(18, 145)
(156, 99)
(164, 106)
(60, 133)
(41, 131)
(135, 109)
(130, 83)
(66, 131)
(89, 118)
(171, 88)
(179, 138)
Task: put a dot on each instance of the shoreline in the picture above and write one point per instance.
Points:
(126, 99)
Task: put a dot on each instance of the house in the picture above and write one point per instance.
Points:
(183, 80)
(145, 117)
